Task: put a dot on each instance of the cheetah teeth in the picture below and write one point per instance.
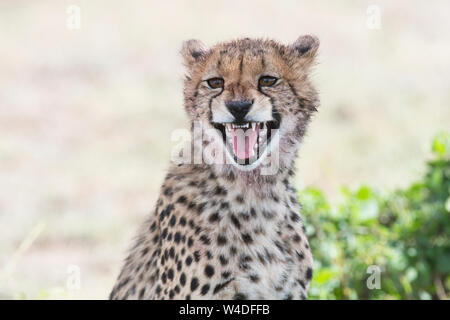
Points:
(240, 126)
(252, 125)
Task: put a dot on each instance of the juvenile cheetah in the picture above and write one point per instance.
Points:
(229, 229)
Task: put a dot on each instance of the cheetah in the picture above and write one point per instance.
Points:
(229, 228)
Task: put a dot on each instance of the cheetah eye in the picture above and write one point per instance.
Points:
(267, 81)
(215, 83)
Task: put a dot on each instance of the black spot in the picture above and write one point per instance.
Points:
(200, 208)
(235, 221)
(164, 233)
(182, 221)
(254, 277)
(240, 199)
(190, 242)
(188, 297)
(171, 294)
(181, 199)
(243, 262)
(223, 260)
(268, 215)
(205, 289)
(300, 255)
(196, 55)
(168, 191)
(280, 246)
(188, 260)
(239, 296)
(177, 289)
(222, 285)
(301, 283)
(177, 237)
(214, 217)
(179, 265)
(166, 212)
(244, 216)
(288, 297)
(221, 240)
(220, 191)
(191, 205)
(205, 239)
(295, 217)
(194, 284)
(309, 273)
(212, 176)
(224, 205)
(170, 274)
(173, 220)
(247, 238)
(209, 271)
(197, 256)
(261, 258)
(141, 293)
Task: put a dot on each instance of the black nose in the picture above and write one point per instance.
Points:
(239, 108)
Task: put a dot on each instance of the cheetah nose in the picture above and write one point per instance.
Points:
(239, 108)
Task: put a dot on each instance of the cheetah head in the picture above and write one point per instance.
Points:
(256, 96)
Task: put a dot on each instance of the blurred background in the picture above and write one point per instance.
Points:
(87, 107)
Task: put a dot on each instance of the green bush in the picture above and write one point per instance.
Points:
(404, 233)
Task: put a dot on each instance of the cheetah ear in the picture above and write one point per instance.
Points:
(305, 47)
(193, 51)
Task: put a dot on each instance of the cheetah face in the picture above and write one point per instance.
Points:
(255, 93)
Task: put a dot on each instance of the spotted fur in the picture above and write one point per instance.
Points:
(218, 232)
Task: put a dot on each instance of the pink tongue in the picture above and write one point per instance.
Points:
(243, 142)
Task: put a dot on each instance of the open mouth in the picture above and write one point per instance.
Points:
(247, 141)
